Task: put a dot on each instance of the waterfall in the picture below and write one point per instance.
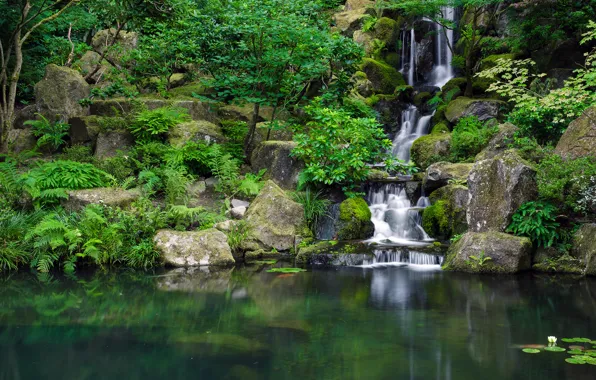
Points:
(413, 126)
(412, 66)
(443, 70)
(384, 258)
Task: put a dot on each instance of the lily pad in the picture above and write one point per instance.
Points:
(263, 262)
(575, 352)
(576, 340)
(574, 361)
(554, 349)
(531, 351)
(286, 270)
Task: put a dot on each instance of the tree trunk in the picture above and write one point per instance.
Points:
(469, 77)
(252, 127)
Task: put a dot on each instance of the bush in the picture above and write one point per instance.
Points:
(536, 220)
(49, 134)
(469, 137)
(153, 125)
(315, 206)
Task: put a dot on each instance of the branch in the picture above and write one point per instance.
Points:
(47, 19)
(71, 55)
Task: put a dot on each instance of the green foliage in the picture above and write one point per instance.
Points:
(153, 125)
(227, 171)
(286, 270)
(369, 23)
(49, 134)
(469, 137)
(78, 153)
(238, 233)
(478, 261)
(337, 147)
(188, 218)
(315, 206)
(536, 220)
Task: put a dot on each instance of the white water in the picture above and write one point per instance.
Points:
(443, 70)
(416, 260)
(413, 126)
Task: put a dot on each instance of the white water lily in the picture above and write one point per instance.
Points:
(552, 339)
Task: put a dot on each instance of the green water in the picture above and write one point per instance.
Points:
(244, 323)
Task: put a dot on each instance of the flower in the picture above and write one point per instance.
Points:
(552, 339)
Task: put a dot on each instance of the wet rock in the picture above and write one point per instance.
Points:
(383, 77)
(282, 168)
(508, 254)
(354, 220)
(429, 149)
(425, 57)
(441, 173)
(274, 219)
(498, 187)
(483, 109)
(579, 140)
(446, 216)
(499, 142)
(584, 247)
(195, 131)
(58, 94)
(114, 197)
(111, 142)
(196, 248)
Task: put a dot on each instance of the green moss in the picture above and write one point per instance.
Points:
(392, 59)
(355, 219)
(360, 75)
(383, 77)
(439, 116)
(481, 85)
(454, 83)
(429, 149)
(372, 100)
(440, 128)
(377, 175)
(422, 98)
(187, 90)
(386, 30)
(491, 60)
(435, 220)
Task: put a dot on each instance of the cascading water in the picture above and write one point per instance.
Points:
(395, 220)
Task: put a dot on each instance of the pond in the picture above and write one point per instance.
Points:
(394, 322)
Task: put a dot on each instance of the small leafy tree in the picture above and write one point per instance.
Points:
(536, 220)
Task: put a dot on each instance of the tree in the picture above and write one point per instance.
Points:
(28, 16)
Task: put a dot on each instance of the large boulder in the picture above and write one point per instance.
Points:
(507, 253)
(441, 173)
(88, 63)
(584, 247)
(23, 115)
(274, 219)
(352, 5)
(125, 42)
(499, 142)
(349, 21)
(111, 142)
(195, 131)
(19, 140)
(498, 187)
(354, 221)
(196, 248)
(281, 167)
(483, 109)
(446, 216)
(579, 140)
(58, 94)
(384, 78)
(429, 149)
(84, 130)
(114, 197)
(197, 110)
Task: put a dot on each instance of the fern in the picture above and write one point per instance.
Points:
(184, 217)
(237, 234)
(154, 124)
(252, 184)
(176, 183)
(225, 169)
(48, 133)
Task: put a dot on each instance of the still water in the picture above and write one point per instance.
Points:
(245, 323)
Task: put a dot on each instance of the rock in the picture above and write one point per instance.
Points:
(349, 21)
(281, 167)
(362, 85)
(498, 187)
(429, 149)
(579, 140)
(225, 226)
(508, 254)
(387, 30)
(177, 80)
(58, 94)
(383, 77)
(197, 188)
(196, 248)
(365, 40)
(274, 218)
(197, 110)
(19, 140)
(125, 42)
(23, 115)
(239, 203)
(211, 182)
(107, 196)
(354, 220)
(446, 216)
(352, 5)
(455, 83)
(196, 280)
(440, 128)
(238, 212)
(439, 174)
(499, 142)
(109, 143)
(84, 130)
(425, 58)
(483, 109)
(88, 63)
(195, 131)
(584, 247)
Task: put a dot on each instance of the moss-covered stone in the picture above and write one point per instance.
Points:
(584, 247)
(355, 220)
(114, 197)
(499, 142)
(491, 61)
(58, 94)
(18, 140)
(459, 83)
(196, 248)
(480, 86)
(579, 140)
(187, 90)
(447, 214)
(440, 128)
(386, 30)
(429, 149)
(349, 21)
(383, 77)
(483, 109)
(392, 59)
(507, 253)
(442, 173)
(276, 158)
(439, 116)
(125, 42)
(422, 98)
(377, 175)
(200, 130)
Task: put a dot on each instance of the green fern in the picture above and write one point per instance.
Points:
(154, 124)
(48, 133)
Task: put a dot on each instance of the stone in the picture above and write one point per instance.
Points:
(455, 83)
(111, 142)
(19, 140)
(362, 85)
(195, 131)
(274, 219)
(58, 94)
(211, 182)
(440, 128)
(429, 149)
(239, 203)
(384, 78)
(84, 130)
(498, 187)
(439, 174)
(238, 212)
(579, 140)
(125, 42)
(387, 31)
(354, 221)
(23, 115)
(358, 4)
(281, 167)
(491, 61)
(446, 216)
(499, 142)
(584, 247)
(483, 109)
(197, 110)
(88, 63)
(425, 58)
(107, 196)
(225, 226)
(195, 248)
(508, 253)
(197, 188)
(365, 40)
(349, 21)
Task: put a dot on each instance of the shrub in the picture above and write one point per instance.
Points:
(237, 234)
(154, 124)
(49, 134)
(469, 137)
(315, 206)
(536, 220)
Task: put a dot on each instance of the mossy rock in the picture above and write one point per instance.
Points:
(459, 83)
(404, 93)
(377, 175)
(483, 109)
(276, 158)
(491, 61)
(480, 86)
(386, 30)
(429, 149)
(447, 214)
(187, 90)
(439, 116)
(422, 98)
(440, 128)
(58, 94)
(355, 220)
(584, 247)
(392, 59)
(579, 140)
(383, 77)
(195, 131)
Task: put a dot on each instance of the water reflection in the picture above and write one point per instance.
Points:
(244, 323)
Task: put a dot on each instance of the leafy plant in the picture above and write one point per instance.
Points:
(369, 22)
(469, 137)
(478, 261)
(238, 233)
(536, 220)
(154, 124)
(315, 206)
(48, 133)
